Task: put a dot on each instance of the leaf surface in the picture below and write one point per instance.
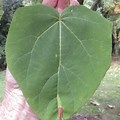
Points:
(58, 61)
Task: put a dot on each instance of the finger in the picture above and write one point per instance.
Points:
(62, 4)
(74, 3)
(52, 3)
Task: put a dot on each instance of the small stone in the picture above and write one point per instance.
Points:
(95, 103)
(111, 106)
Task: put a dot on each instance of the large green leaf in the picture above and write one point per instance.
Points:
(58, 61)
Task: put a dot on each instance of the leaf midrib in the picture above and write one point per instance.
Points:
(60, 54)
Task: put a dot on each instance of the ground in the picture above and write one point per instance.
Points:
(104, 105)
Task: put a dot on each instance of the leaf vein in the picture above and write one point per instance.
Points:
(81, 19)
(69, 87)
(35, 45)
(46, 82)
(60, 33)
(75, 75)
(77, 39)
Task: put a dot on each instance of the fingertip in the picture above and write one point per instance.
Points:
(74, 3)
(52, 3)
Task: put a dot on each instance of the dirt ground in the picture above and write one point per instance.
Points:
(116, 60)
(86, 118)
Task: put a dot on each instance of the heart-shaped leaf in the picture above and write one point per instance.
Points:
(58, 61)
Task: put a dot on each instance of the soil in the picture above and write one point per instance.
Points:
(116, 59)
(85, 118)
